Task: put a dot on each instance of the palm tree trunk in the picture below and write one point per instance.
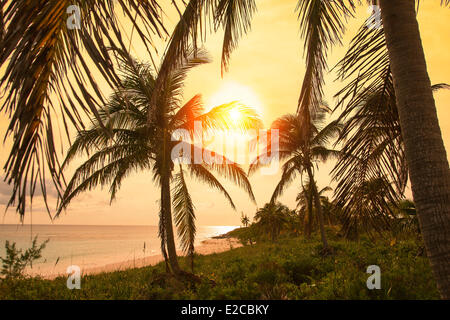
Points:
(162, 235)
(315, 195)
(308, 226)
(425, 152)
(166, 207)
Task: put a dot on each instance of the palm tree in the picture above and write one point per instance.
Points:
(372, 143)
(129, 144)
(245, 220)
(271, 218)
(378, 149)
(424, 148)
(43, 59)
(305, 204)
(322, 24)
(301, 156)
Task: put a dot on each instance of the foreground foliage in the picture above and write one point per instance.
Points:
(287, 269)
(15, 260)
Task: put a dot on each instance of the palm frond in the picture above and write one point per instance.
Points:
(184, 214)
(40, 54)
(200, 172)
(235, 17)
(373, 150)
(288, 175)
(220, 118)
(107, 166)
(321, 26)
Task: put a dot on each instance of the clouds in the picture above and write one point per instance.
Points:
(38, 199)
(5, 192)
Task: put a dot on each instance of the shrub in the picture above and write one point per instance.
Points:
(15, 261)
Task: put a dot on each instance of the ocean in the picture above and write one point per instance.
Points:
(91, 246)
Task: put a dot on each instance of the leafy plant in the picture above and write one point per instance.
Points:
(15, 261)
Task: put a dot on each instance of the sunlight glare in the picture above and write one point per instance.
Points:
(233, 91)
(235, 115)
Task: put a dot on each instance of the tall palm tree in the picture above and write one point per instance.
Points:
(373, 151)
(48, 76)
(377, 149)
(301, 156)
(305, 204)
(424, 148)
(130, 144)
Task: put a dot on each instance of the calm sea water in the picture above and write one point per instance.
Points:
(91, 246)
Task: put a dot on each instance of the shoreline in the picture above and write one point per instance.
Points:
(212, 245)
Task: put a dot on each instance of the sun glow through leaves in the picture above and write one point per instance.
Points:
(233, 91)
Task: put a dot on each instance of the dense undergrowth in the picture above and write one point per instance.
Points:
(287, 269)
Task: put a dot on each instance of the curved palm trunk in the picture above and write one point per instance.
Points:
(162, 235)
(315, 195)
(427, 160)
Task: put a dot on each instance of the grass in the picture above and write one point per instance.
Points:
(288, 269)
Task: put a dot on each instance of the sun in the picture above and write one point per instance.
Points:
(235, 115)
(233, 91)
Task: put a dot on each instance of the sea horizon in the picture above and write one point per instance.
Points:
(91, 246)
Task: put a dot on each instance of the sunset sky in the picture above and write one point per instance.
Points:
(266, 72)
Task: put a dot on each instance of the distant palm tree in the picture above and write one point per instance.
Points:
(271, 219)
(305, 205)
(245, 220)
(129, 144)
(301, 155)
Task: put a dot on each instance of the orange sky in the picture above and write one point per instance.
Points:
(269, 63)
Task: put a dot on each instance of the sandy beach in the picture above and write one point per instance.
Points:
(209, 246)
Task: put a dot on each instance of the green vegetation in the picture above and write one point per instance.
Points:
(389, 132)
(291, 268)
(15, 260)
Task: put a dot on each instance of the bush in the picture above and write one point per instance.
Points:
(15, 261)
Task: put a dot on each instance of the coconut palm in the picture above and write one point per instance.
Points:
(271, 219)
(245, 220)
(322, 25)
(373, 150)
(305, 204)
(301, 156)
(424, 148)
(130, 144)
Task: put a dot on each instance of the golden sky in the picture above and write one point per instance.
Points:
(266, 70)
